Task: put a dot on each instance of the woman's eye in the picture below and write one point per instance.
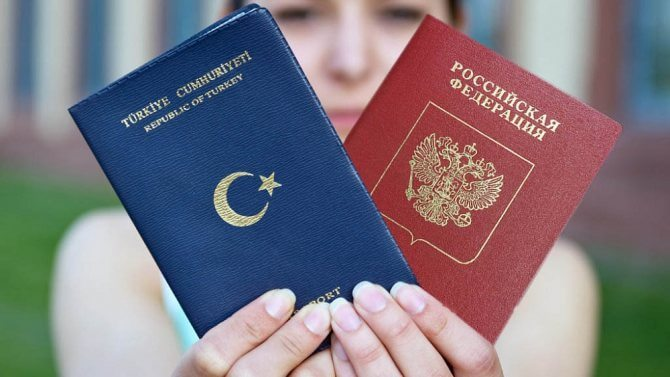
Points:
(294, 14)
(402, 14)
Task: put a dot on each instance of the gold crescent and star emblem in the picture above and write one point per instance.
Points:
(223, 207)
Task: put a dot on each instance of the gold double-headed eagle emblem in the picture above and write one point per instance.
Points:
(450, 180)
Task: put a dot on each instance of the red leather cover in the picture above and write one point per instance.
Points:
(476, 165)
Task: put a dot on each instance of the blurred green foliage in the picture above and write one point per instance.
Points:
(35, 211)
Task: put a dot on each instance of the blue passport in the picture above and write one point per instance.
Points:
(233, 175)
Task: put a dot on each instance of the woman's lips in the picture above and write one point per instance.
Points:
(344, 120)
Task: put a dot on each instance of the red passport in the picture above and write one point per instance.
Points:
(476, 165)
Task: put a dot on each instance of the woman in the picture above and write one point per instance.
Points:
(109, 302)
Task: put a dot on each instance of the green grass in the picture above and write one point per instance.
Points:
(35, 211)
(635, 328)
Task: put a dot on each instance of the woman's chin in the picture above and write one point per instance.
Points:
(342, 132)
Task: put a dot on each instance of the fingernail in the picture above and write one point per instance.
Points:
(396, 287)
(344, 315)
(408, 297)
(370, 297)
(279, 303)
(317, 318)
(338, 350)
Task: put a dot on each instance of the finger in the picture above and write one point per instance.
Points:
(317, 365)
(410, 349)
(220, 347)
(341, 364)
(469, 354)
(365, 351)
(289, 346)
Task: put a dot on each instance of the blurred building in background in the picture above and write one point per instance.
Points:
(53, 53)
(612, 54)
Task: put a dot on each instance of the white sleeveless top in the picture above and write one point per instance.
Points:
(182, 326)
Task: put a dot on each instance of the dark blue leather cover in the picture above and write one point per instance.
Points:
(320, 230)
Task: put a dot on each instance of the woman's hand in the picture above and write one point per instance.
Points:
(261, 340)
(405, 333)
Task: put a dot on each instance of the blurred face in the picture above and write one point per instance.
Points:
(346, 47)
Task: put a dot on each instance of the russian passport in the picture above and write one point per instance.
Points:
(476, 166)
(233, 175)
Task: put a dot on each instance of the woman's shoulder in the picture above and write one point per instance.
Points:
(102, 222)
(556, 321)
(564, 286)
(106, 284)
(106, 241)
(102, 229)
(567, 273)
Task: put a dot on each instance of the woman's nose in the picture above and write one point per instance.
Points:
(349, 56)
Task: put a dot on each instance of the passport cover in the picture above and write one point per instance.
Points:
(476, 166)
(233, 175)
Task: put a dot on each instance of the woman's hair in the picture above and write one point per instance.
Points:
(454, 9)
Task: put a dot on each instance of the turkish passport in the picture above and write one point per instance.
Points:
(476, 166)
(233, 175)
